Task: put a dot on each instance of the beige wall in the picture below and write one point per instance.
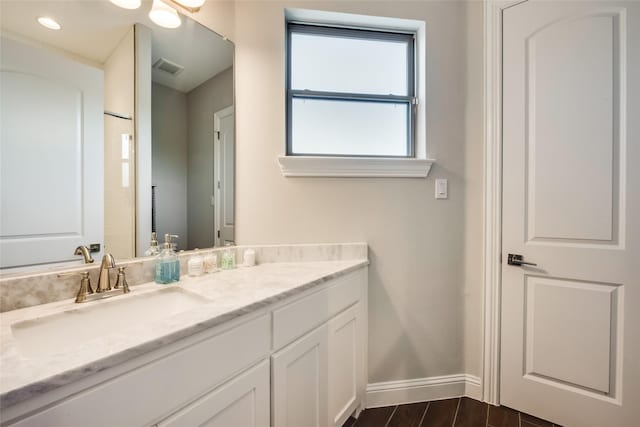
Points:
(426, 271)
(169, 161)
(202, 102)
(119, 201)
(218, 15)
(473, 187)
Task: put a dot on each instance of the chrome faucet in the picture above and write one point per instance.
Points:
(103, 279)
(84, 251)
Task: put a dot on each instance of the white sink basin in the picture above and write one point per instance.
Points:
(60, 332)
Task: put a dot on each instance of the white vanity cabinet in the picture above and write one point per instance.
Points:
(298, 362)
(319, 379)
(147, 389)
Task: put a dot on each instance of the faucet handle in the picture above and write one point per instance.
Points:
(85, 284)
(122, 281)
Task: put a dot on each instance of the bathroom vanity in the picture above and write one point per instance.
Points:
(278, 344)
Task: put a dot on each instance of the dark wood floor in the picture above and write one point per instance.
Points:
(459, 412)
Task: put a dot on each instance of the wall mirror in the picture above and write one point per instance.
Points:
(111, 127)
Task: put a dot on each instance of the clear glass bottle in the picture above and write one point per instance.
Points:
(154, 248)
(168, 263)
(210, 262)
(195, 266)
(228, 258)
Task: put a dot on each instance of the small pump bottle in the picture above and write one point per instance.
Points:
(154, 249)
(167, 264)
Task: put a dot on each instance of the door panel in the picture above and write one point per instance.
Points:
(569, 348)
(51, 174)
(344, 358)
(587, 315)
(300, 383)
(570, 62)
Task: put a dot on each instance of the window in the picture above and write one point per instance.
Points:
(350, 92)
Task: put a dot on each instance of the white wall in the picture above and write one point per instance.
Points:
(169, 154)
(425, 274)
(202, 102)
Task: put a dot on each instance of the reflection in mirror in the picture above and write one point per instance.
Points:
(191, 95)
(111, 127)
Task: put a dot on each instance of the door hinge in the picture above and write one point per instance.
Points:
(218, 234)
(217, 132)
(218, 184)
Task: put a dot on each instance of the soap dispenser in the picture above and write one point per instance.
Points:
(154, 249)
(167, 264)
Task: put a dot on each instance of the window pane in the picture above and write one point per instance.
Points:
(349, 127)
(342, 64)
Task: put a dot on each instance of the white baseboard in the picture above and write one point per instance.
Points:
(423, 389)
(473, 387)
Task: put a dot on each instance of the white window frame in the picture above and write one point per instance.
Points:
(419, 164)
(409, 100)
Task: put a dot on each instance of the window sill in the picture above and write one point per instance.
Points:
(357, 167)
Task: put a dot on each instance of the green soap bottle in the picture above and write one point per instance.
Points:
(228, 258)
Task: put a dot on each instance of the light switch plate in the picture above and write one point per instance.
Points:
(442, 191)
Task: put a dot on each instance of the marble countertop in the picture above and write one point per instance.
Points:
(229, 294)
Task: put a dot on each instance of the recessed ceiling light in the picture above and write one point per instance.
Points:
(126, 4)
(164, 15)
(49, 23)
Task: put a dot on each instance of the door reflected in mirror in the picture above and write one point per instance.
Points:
(112, 128)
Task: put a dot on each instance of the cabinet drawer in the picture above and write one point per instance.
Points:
(299, 317)
(148, 393)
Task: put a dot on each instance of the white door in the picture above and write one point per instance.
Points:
(51, 155)
(571, 204)
(299, 382)
(242, 402)
(345, 360)
(225, 175)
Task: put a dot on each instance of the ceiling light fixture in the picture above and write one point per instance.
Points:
(127, 4)
(164, 15)
(49, 23)
(162, 12)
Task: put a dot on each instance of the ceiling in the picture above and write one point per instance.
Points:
(201, 52)
(92, 29)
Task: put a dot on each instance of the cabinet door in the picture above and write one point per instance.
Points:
(345, 361)
(300, 383)
(242, 402)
